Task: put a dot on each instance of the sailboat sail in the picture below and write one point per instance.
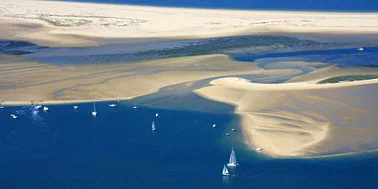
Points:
(153, 126)
(232, 161)
(225, 171)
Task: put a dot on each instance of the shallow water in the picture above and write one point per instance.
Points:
(344, 57)
(64, 148)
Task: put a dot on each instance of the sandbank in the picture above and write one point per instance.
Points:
(289, 119)
(24, 81)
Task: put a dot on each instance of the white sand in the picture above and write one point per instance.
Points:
(63, 21)
(280, 132)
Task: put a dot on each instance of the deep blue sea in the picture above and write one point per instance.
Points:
(67, 148)
(303, 5)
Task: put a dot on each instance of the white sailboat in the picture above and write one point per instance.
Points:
(94, 113)
(360, 49)
(135, 107)
(45, 109)
(214, 125)
(153, 126)
(76, 107)
(156, 115)
(112, 105)
(232, 162)
(225, 171)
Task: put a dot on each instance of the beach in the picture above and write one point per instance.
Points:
(281, 106)
(52, 83)
(55, 23)
(284, 119)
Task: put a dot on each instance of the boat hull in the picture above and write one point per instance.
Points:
(232, 164)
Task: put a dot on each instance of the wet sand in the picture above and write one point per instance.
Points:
(298, 119)
(32, 81)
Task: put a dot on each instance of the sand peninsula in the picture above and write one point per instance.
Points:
(297, 118)
(283, 118)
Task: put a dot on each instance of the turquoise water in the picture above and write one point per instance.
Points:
(65, 148)
(313, 5)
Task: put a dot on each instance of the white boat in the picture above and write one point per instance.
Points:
(1, 107)
(259, 149)
(232, 162)
(233, 130)
(13, 116)
(94, 113)
(214, 125)
(76, 107)
(225, 171)
(156, 115)
(135, 107)
(360, 49)
(112, 105)
(153, 126)
(45, 109)
(38, 107)
(227, 134)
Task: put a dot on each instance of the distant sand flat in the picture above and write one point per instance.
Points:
(32, 81)
(289, 119)
(60, 23)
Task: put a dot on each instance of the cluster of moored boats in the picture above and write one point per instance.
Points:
(14, 116)
(45, 108)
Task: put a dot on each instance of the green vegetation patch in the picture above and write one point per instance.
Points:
(339, 79)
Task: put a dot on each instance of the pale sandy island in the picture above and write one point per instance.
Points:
(289, 119)
(71, 24)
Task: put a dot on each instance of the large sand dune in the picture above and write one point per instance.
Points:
(60, 23)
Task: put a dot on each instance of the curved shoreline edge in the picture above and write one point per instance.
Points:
(261, 129)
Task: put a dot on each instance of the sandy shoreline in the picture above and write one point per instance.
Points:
(268, 108)
(50, 82)
(72, 24)
(266, 120)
